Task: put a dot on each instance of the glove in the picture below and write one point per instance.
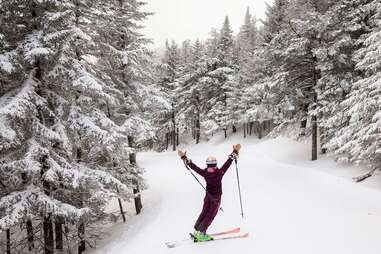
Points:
(233, 156)
(236, 148)
(182, 154)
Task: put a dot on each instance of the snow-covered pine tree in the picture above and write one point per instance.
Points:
(31, 141)
(198, 50)
(172, 60)
(172, 63)
(124, 65)
(263, 72)
(224, 82)
(193, 91)
(186, 55)
(247, 41)
(344, 24)
(359, 140)
(293, 48)
(259, 93)
(212, 44)
(225, 43)
(61, 134)
(275, 19)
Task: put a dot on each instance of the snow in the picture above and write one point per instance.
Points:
(291, 205)
(139, 128)
(18, 204)
(5, 62)
(15, 104)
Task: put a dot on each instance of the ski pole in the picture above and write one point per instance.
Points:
(239, 188)
(207, 193)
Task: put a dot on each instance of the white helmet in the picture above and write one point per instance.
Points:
(211, 161)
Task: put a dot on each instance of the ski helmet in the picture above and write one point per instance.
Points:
(211, 161)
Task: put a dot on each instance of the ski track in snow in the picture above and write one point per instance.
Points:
(290, 206)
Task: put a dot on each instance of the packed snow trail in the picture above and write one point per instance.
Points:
(290, 206)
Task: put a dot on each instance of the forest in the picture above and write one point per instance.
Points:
(82, 92)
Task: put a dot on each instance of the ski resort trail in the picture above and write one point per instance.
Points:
(290, 206)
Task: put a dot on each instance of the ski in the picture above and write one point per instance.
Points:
(230, 237)
(235, 230)
(223, 233)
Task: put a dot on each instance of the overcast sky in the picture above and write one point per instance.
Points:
(191, 19)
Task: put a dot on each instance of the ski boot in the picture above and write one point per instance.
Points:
(196, 235)
(199, 236)
(206, 237)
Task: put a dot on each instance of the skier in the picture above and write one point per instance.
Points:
(213, 177)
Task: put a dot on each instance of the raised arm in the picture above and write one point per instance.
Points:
(198, 170)
(226, 165)
(232, 156)
(194, 167)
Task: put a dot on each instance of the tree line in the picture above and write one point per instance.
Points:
(311, 68)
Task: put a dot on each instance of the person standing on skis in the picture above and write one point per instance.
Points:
(213, 177)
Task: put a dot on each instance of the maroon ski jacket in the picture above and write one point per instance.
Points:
(213, 180)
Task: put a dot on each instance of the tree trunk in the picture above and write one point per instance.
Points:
(48, 235)
(121, 210)
(59, 232)
(234, 129)
(322, 141)
(194, 128)
(251, 128)
(116, 165)
(177, 136)
(174, 128)
(244, 130)
(29, 232)
(174, 140)
(260, 132)
(264, 127)
(303, 123)
(198, 128)
(225, 133)
(81, 237)
(136, 190)
(8, 236)
(121, 207)
(314, 126)
(137, 199)
(166, 140)
(81, 226)
(47, 218)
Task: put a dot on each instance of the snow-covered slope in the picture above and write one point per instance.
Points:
(290, 206)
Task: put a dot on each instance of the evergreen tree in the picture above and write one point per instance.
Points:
(212, 44)
(226, 43)
(71, 73)
(358, 141)
(198, 51)
(342, 28)
(186, 55)
(276, 18)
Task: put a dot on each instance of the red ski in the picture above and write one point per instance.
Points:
(236, 230)
(223, 233)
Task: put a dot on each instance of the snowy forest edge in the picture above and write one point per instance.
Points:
(81, 93)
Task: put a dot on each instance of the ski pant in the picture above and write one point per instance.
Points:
(209, 212)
